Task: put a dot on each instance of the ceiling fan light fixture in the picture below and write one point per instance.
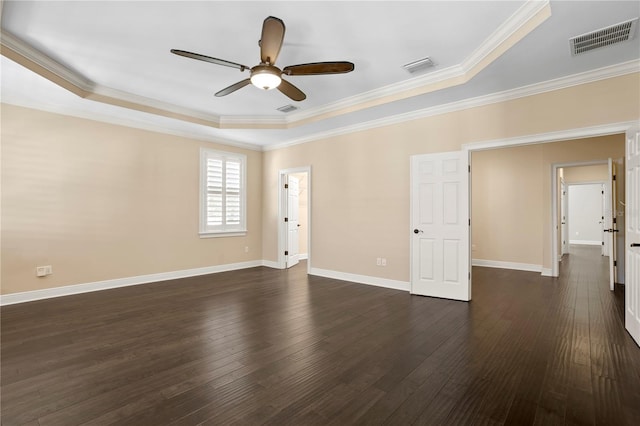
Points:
(265, 77)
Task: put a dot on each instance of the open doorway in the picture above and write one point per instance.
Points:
(588, 209)
(513, 191)
(294, 233)
(586, 205)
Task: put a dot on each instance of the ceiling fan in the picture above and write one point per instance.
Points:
(266, 75)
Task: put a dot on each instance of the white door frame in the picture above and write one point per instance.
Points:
(555, 263)
(564, 229)
(282, 211)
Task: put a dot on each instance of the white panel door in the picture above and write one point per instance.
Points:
(440, 225)
(632, 267)
(293, 224)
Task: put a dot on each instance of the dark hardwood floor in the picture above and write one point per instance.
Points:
(263, 346)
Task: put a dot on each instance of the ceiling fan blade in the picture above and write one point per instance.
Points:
(233, 87)
(271, 41)
(209, 59)
(291, 91)
(317, 68)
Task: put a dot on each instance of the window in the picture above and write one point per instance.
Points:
(222, 193)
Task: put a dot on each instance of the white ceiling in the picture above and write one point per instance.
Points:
(122, 49)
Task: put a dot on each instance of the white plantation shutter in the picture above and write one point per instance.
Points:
(223, 192)
(233, 188)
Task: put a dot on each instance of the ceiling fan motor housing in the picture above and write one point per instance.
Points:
(266, 76)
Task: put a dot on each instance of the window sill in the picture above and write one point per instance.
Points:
(223, 234)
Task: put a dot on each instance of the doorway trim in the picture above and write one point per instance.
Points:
(282, 210)
(539, 138)
(555, 262)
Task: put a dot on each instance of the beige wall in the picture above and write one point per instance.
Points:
(506, 204)
(360, 205)
(511, 196)
(593, 173)
(99, 201)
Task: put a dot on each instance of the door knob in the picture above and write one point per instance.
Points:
(417, 231)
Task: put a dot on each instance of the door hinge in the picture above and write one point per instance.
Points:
(602, 192)
(603, 243)
(469, 222)
(614, 177)
(615, 263)
(286, 186)
(469, 275)
(469, 168)
(286, 219)
(286, 253)
(614, 220)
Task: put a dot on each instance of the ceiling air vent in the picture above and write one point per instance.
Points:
(604, 37)
(419, 65)
(287, 108)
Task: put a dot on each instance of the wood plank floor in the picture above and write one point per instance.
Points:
(264, 346)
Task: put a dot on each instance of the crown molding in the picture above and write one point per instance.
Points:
(104, 118)
(516, 22)
(561, 135)
(255, 122)
(26, 55)
(604, 73)
(100, 91)
(524, 20)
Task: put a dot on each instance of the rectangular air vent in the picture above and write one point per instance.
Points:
(287, 108)
(419, 65)
(604, 37)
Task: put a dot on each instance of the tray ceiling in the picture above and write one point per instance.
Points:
(111, 60)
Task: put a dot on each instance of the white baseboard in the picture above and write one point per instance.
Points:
(507, 265)
(585, 242)
(546, 272)
(361, 279)
(29, 296)
(271, 264)
(303, 256)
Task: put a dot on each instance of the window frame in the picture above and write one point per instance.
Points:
(224, 230)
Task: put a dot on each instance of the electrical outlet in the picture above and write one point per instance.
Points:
(379, 261)
(246, 249)
(383, 262)
(473, 247)
(43, 271)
